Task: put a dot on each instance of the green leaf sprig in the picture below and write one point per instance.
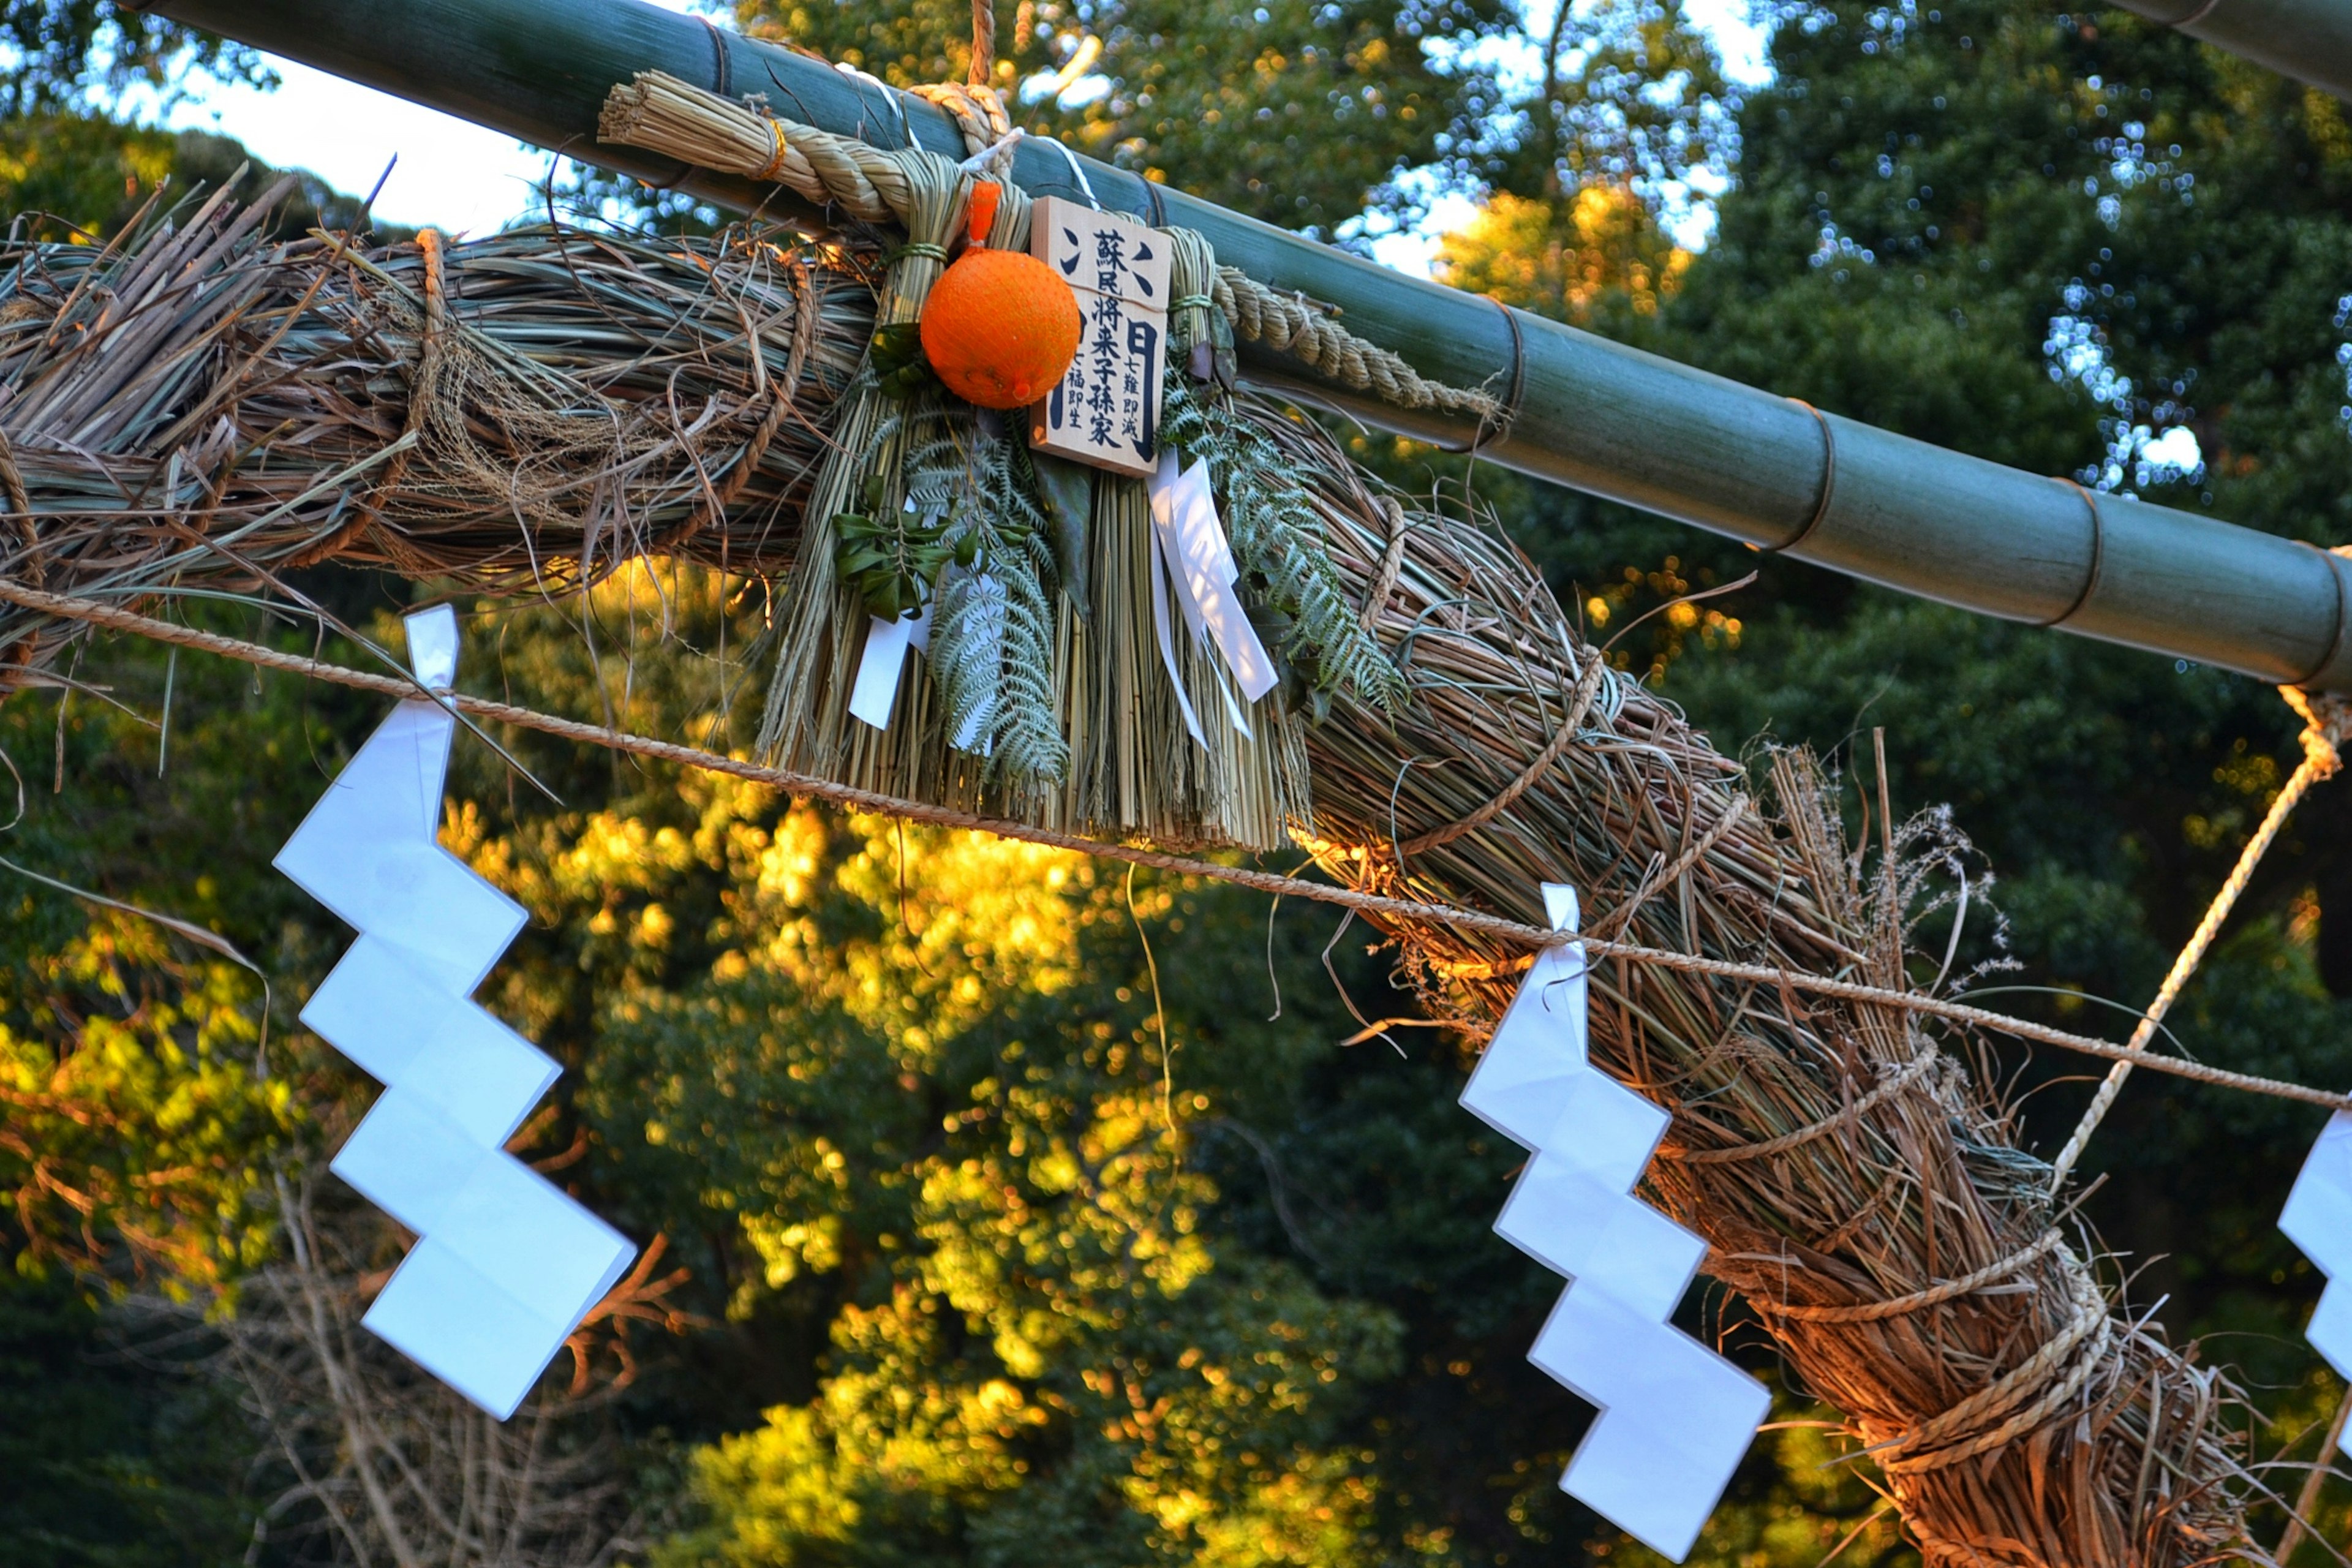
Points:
(891, 559)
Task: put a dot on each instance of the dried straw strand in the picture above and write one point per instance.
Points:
(520, 413)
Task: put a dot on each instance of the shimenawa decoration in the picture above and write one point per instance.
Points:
(1094, 651)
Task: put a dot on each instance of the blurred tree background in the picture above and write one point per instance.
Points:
(1015, 1211)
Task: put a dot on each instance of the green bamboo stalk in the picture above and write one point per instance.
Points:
(2309, 40)
(1593, 415)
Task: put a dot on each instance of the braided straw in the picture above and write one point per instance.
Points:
(659, 113)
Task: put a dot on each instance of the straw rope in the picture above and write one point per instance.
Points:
(1532, 937)
(196, 406)
(977, 109)
(1938, 1443)
(1748, 995)
(2326, 720)
(1650, 888)
(424, 392)
(1917, 1300)
(1290, 324)
(1902, 1078)
(659, 113)
(1587, 688)
(1376, 597)
(2131, 1463)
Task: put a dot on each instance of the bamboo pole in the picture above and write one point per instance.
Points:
(2309, 40)
(1593, 415)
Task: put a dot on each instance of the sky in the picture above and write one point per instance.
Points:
(466, 180)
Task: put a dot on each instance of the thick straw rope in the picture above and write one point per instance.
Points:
(791, 783)
(659, 113)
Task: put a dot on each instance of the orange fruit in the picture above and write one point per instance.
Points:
(1000, 329)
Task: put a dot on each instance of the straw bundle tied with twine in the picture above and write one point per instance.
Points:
(1857, 1184)
(1851, 1182)
(194, 410)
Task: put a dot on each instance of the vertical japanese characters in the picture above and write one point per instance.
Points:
(1106, 412)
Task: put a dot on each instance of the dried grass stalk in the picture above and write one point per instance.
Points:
(197, 408)
(367, 1459)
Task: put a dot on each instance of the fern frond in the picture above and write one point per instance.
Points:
(992, 644)
(1276, 535)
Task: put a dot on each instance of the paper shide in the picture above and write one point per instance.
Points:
(506, 1264)
(1675, 1416)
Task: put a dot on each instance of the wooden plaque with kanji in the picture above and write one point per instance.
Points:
(1106, 412)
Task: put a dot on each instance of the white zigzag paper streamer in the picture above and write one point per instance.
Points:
(1675, 1416)
(2318, 1219)
(507, 1264)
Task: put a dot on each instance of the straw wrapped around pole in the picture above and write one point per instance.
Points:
(198, 409)
(1853, 1182)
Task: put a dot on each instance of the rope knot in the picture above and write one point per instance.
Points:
(2326, 725)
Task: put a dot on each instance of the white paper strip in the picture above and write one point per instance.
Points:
(2318, 1219)
(1210, 575)
(876, 690)
(1675, 1416)
(507, 1265)
(1192, 539)
(1161, 590)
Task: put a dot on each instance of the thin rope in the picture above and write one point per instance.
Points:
(1402, 909)
(2091, 1321)
(2307, 1501)
(1911, 1072)
(1587, 688)
(1917, 1300)
(2322, 732)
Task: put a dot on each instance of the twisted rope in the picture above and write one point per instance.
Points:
(1373, 904)
(2326, 722)
(1648, 889)
(1288, 324)
(977, 109)
(659, 113)
(1911, 1072)
(1920, 1450)
(1917, 1300)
